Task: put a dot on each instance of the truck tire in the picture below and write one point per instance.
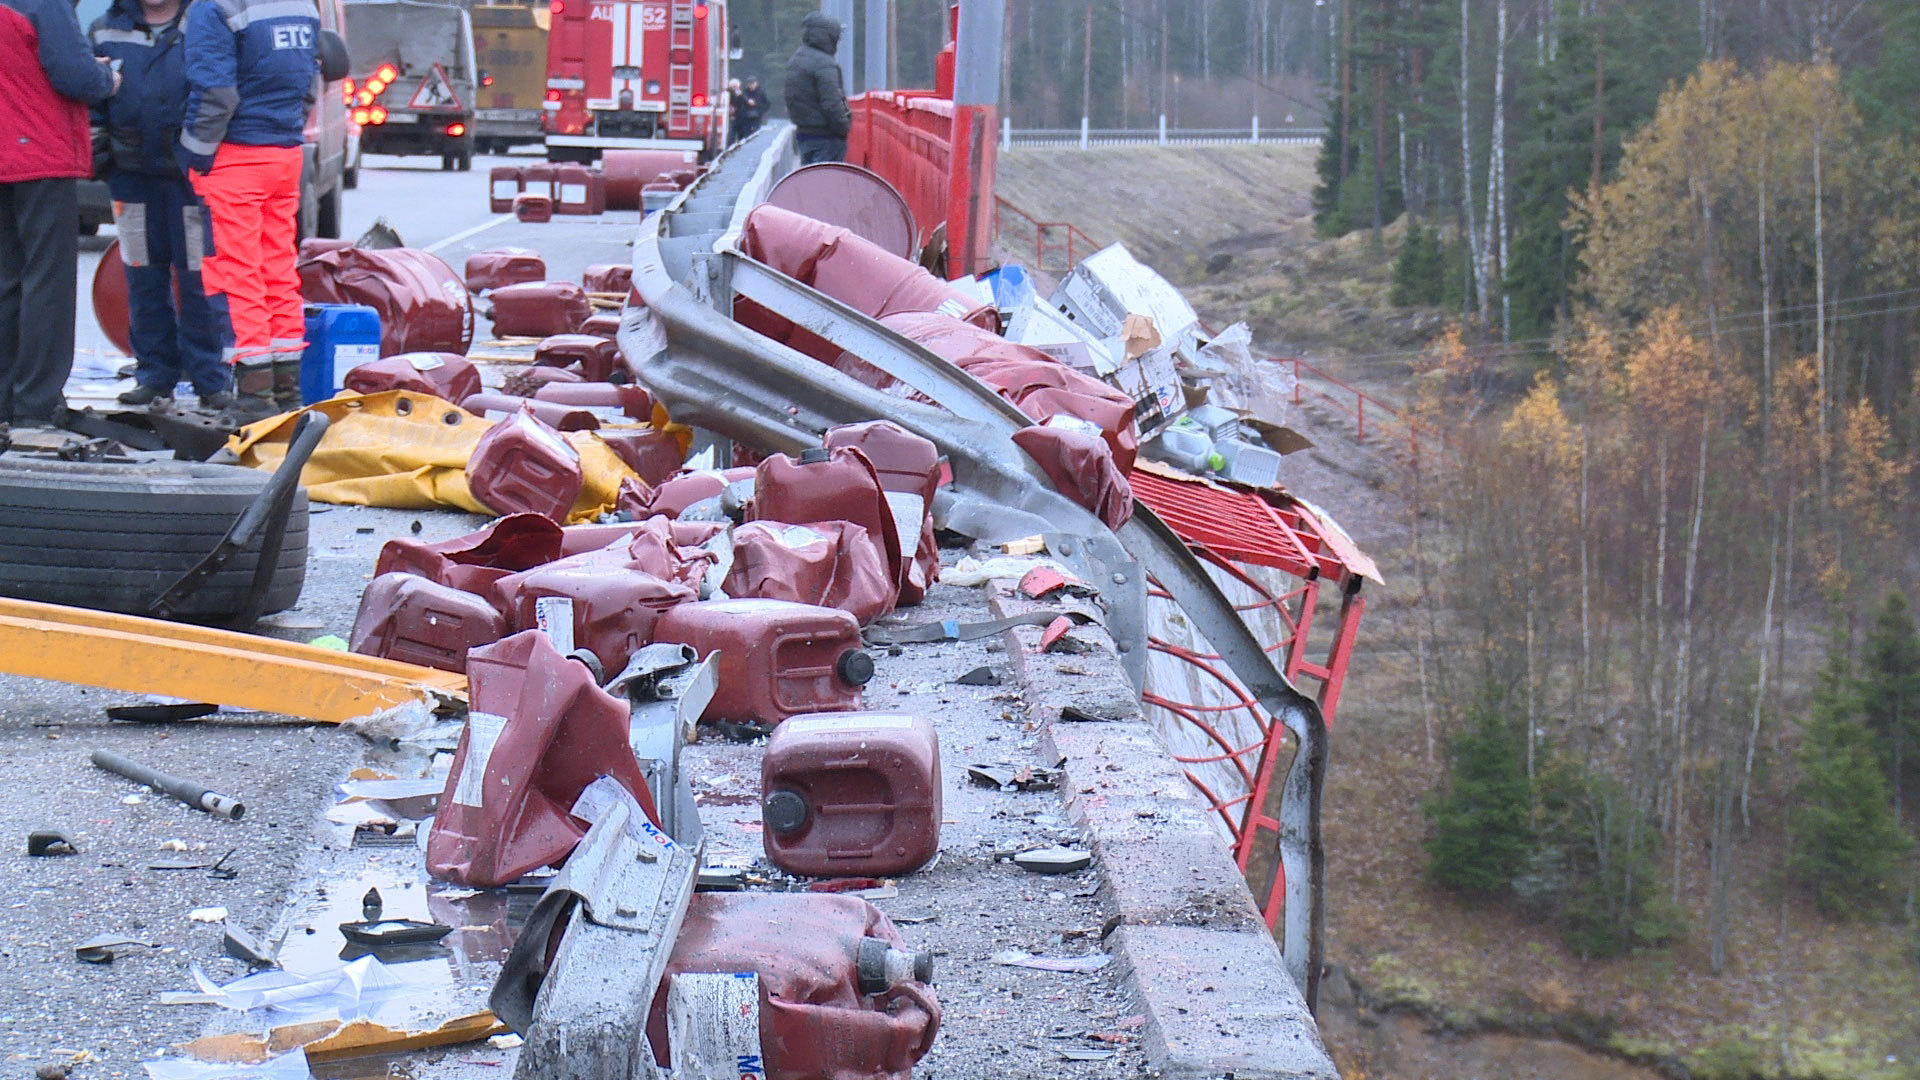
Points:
(114, 537)
(327, 215)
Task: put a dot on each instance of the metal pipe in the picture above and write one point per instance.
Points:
(198, 796)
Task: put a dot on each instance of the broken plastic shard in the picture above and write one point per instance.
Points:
(1022, 958)
(208, 914)
(50, 842)
(351, 990)
(1054, 860)
(288, 1066)
(1073, 1053)
(99, 949)
(980, 676)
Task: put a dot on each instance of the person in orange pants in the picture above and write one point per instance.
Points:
(250, 68)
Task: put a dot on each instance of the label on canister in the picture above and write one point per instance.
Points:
(425, 361)
(348, 357)
(713, 1026)
(554, 616)
(801, 724)
(483, 731)
(909, 511)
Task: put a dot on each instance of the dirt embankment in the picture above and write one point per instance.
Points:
(1801, 996)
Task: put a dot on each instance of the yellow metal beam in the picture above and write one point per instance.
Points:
(148, 656)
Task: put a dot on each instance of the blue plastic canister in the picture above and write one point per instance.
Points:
(339, 337)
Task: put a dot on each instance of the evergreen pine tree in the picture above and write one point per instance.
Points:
(1890, 685)
(1420, 271)
(1481, 836)
(1846, 842)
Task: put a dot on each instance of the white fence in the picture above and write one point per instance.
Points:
(1085, 137)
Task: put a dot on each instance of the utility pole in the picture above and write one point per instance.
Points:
(1086, 76)
(1346, 88)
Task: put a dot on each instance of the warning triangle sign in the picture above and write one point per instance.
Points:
(435, 92)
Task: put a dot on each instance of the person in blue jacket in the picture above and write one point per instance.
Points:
(251, 77)
(162, 223)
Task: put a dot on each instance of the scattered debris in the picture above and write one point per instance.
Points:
(1054, 860)
(288, 1066)
(208, 914)
(246, 948)
(1021, 958)
(1075, 1053)
(168, 713)
(1074, 714)
(505, 1042)
(44, 842)
(195, 795)
(378, 933)
(100, 948)
(984, 675)
(1045, 580)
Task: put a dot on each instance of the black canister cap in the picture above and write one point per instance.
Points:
(814, 455)
(784, 811)
(855, 668)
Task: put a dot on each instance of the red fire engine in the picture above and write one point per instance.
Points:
(636, 74)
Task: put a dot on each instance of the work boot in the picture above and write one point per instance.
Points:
(286, 379)
(253, 397)
(218, 401)
(143, 395)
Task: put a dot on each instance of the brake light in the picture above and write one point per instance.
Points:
(387, 73)
(558, 7)
(362, 117)
(699, 101)
(486, 80)
(365, 98)
(700, 11)
(553, 95)
(377, 115)
(456, 130)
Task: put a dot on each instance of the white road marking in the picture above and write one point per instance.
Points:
(464, 234)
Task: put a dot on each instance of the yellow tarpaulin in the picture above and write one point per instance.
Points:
(409, 451)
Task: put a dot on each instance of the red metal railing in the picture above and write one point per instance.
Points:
(1272, 556)
(906, 137)
(1311, 383)
(1029, 233)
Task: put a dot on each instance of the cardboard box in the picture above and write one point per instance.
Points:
(1111, 284)
(1045, 329)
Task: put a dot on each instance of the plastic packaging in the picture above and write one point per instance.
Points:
(777, 659)
(340, 337)
(539, 309)
(1186, 446)
(851, 795)
(521, 464)
(539, 730)
(1245, 462)
(408, 618)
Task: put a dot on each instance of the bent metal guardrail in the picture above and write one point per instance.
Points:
(712, 372)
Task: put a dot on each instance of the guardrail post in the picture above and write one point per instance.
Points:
(1163, 129)
(1256, 129)
(1296, 381)
(1083, 133)
(1360, 414)
(1006, 133)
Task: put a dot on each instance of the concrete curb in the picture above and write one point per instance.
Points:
(1188, 936)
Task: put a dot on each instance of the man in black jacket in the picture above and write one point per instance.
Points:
(816, 98)
(751, 108)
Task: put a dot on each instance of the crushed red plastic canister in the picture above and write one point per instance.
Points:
(408, 618)
(447, 376)
(539, 309)
(777, 658)
(834, 564)
(521, 464)
(851, 794)
(494, 267)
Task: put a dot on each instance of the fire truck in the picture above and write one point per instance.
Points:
(636, 74)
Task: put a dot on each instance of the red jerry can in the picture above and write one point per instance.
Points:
(851, 795)
(541, 178)
(777, 658)
(495, 267)
(503, 183)
(406, 617)
(447, 376)
(595, 355)
(579, 190)
(539, 309)
(604, 324)
(533, 209)
(611, 403)
(554, 415)
(608, 278)
(539, 730)
(608, 609)
(909, 469)
(829, 485)
(472, 563)
(830, 563)
(521, 464)
(673, 495)
(841, 995)
(652, 454)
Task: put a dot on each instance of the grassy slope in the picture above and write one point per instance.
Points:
(1823, 998)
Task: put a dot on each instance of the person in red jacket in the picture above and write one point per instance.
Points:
(48, 77)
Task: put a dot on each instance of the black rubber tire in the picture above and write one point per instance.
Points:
(114, 537)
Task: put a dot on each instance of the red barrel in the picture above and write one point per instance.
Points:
(777, 659)
(472, 563)
(841, 996)
(538, 732)
(521, 464)
(828, 485)
(851, 794)
(408, 618)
